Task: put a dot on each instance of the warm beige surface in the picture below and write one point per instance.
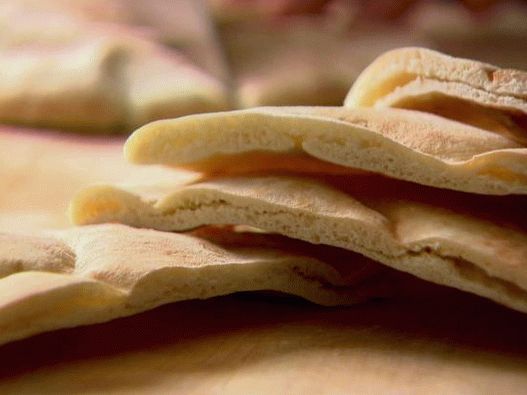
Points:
(41, 171)
(403, 144)
(399, 66)
(447, 343)
(478, 244)
(98, 273)
(462, 89)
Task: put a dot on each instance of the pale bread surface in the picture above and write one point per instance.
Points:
(399, 66)
(457, 101)
(469, 91)
(89, 75)
(97, 273)
(452, 239)
(403, 144)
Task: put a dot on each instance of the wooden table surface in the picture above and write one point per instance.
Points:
(41, 171)
(450, 343)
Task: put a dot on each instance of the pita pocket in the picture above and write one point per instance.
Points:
(403, 144)
(466, 90)
(473, 243)
(97, 273)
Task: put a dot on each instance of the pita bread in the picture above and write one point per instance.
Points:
(403, 144)
(97, 273)
(453, 239)
(469, 91)
(88, 76)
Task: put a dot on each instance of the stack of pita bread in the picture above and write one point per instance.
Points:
(336, 205)
(112, 66)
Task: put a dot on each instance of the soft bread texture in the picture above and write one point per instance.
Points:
(449, 238)
(466, 90)
(408, 145)
(94, 77)
(97, 273)
(400, 66)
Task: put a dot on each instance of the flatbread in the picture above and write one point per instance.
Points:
(97, 273)
(93, 76)
(466, 90)
(302, 60)
(474, 244)
(409, 145)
